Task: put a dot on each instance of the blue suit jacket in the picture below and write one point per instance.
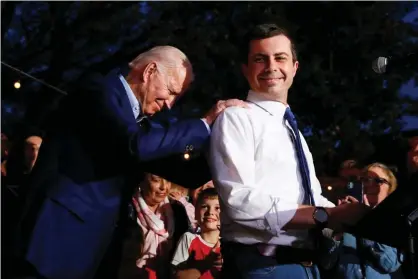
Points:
(88, 166)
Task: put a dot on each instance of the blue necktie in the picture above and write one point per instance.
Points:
(302, 162)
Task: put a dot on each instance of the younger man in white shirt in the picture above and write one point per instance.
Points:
(264, 172)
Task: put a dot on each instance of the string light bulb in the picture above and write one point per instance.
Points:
(187, 153)
(17, 84)
(329, 188)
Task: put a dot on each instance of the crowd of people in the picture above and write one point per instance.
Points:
(85, 213)
(176, 233)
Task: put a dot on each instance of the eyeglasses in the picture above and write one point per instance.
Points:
(377, 180)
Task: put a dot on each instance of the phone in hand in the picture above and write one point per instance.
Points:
(355, 189)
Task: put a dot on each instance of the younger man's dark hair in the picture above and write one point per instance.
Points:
(208, 193)
(264, 31)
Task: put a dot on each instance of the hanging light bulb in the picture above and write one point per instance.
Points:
(188, 152)
(17, 84)
(329, 188)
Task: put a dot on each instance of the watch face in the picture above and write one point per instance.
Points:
(321, 215)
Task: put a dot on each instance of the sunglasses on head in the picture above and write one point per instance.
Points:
(377, 180)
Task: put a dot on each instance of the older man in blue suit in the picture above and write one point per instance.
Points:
(89, 160)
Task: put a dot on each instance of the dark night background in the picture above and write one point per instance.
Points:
(345, 109)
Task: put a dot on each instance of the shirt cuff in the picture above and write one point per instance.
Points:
(279, 215)
(286, 211)
(206, 124)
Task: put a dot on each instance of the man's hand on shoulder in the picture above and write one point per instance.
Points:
(220, 106)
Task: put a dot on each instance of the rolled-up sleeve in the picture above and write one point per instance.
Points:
(232, 162)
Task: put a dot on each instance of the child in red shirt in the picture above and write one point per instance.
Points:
(199, 256)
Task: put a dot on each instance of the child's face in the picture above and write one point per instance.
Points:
(207, 214)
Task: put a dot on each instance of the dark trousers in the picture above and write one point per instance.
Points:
(244, 261)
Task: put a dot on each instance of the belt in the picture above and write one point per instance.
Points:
(282, 254)
(288, 255)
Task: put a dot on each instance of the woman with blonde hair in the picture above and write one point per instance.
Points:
(160, 222)
(378, 181)
(363, 258)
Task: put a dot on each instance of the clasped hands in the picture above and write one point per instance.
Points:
(212, 262)
(351, 199)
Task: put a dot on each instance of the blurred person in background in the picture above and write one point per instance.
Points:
(412, 161)
(181, 194)
(9, 205)
(15, 172)
(21, 160)
(411, 182)
(358, 258)
(5, 145)
(349, 171)
(31, 150)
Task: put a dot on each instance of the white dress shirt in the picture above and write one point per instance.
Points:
(255, 170)
(131, 96)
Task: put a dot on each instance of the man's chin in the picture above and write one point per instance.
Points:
(151, 111)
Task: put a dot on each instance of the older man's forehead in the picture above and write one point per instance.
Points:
(183, 77)
(34, 140)
(33, 145)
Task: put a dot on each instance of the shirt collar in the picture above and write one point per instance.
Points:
(131, 96)
(274, 107)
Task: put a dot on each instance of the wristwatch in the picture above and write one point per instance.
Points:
(320, 216)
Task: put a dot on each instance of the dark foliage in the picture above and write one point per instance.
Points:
(341, 104)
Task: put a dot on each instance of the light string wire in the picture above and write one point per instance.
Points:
(34, 78)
